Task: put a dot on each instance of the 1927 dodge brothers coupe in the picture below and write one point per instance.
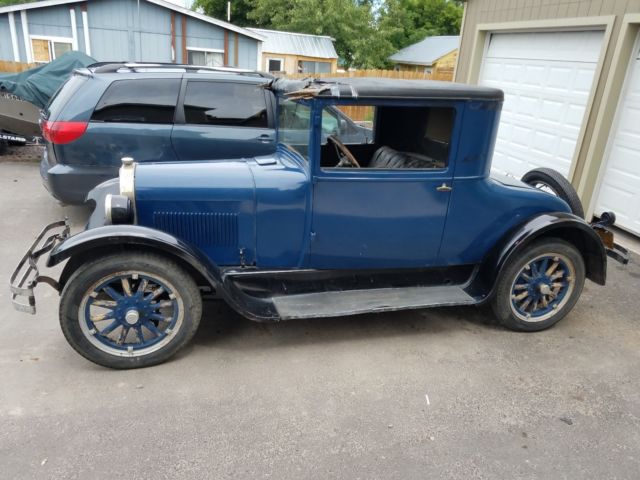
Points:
(410, 218)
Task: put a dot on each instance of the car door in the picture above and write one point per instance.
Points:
(133, 118)
(378, 218)
(222, 119)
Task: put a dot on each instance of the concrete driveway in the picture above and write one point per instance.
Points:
(441, 393)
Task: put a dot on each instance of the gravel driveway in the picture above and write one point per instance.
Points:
(442, 393)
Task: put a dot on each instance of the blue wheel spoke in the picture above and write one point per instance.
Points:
(110, 328)
(139, 333)
(123, 335)
(544, 265)
(125, 294)
(112, 293)
(141, 288)
(157, 316)
(152, 328)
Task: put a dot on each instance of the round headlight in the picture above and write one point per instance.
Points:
(117, 209)
(127, 178)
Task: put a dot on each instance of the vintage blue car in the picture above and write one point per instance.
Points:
(409, 218)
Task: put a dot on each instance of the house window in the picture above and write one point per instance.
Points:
(205, 57)
(47, 49)
(313, 67)
(275, 65)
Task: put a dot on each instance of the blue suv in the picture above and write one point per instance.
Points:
(159, 113)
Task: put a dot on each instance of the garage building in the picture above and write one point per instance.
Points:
(571, 75)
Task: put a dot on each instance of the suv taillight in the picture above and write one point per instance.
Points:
(63, 132)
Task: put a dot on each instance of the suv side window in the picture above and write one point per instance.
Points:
(225, 104)
(139, 101)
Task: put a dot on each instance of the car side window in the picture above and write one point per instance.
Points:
(225, 104)
(409, 138)
(138, 101)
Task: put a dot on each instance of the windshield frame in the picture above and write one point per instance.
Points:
(294, 139)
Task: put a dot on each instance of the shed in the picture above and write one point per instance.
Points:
(427, 55)
(289, 52)
(116, 30)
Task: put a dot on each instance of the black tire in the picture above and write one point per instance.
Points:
(84, 280)
(503, 301)
(557, 184)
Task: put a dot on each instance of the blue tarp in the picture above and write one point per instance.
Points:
(38, 84)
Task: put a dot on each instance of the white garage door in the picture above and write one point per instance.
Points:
(620, 186)
(546, 78)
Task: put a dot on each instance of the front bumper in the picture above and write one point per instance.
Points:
(26, 275)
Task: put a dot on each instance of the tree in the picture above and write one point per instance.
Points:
(408, 21)
(349, 22)
(218, 9)
(5, 3)
(366, 32)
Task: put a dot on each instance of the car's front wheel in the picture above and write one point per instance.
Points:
(539, 287)
(130, 310)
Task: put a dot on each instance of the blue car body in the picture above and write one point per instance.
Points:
(324, 225)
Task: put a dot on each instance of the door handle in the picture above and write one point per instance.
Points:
(444, 188)
(265, 138)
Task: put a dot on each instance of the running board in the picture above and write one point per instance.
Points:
(353, 302)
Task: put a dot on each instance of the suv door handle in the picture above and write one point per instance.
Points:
(265, 138)
(444, 188)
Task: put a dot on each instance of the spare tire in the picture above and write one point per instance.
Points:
(551, 181)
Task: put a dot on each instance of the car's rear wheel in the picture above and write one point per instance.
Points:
(553, 182)
(539, 287)
(130, 310)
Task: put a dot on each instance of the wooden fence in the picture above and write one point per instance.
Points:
(14, 67)
(439, 74)
(365, 114)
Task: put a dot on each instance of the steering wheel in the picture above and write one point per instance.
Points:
(343, 152)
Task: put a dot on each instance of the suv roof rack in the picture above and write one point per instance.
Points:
(133, 67)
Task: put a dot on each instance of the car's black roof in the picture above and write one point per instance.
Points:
(366, 87)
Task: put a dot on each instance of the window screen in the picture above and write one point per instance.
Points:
(138, 101)
(313, 67)
(275, 65)
(225, 103)
(207, 59)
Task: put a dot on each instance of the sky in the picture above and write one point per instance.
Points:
(181, 3)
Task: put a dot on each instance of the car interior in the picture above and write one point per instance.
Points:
(403, 138)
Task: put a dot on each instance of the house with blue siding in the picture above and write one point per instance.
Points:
(124, 30)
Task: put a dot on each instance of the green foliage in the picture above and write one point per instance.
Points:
(366, 32)
(218, 9)
(5, 3)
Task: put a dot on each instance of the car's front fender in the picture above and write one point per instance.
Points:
(561, 225)
(91, 244)
(119, 237)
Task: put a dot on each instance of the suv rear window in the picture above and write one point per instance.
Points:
(226, 104)
(63, 95)
(138, 101)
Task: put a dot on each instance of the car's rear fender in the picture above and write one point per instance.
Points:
(561, 225)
